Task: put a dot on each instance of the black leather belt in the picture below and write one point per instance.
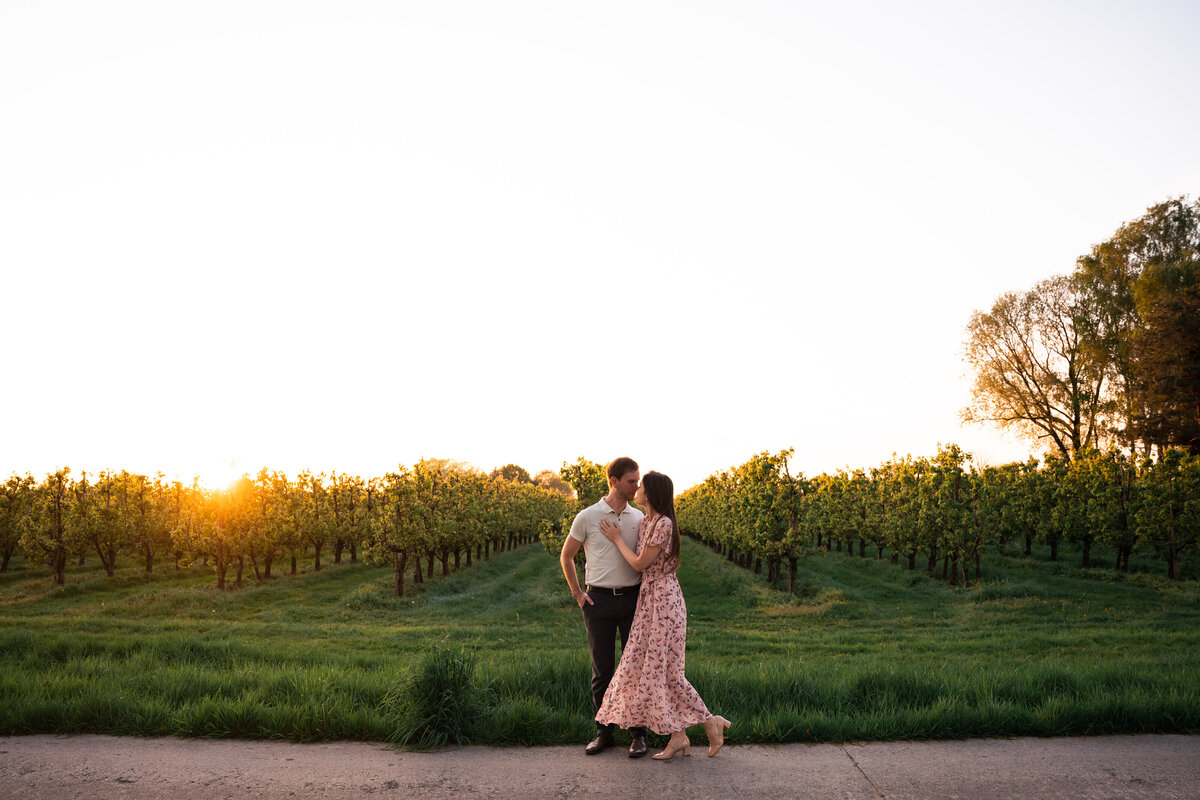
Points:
(614, 592)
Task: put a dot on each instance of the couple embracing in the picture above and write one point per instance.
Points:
(631, 559)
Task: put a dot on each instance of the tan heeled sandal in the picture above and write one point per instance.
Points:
(670, 750)
(716, 734)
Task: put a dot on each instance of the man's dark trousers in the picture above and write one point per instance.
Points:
(604, 618)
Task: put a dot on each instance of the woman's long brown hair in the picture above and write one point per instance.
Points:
(660, 494)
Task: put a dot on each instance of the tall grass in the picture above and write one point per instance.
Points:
(497, 654)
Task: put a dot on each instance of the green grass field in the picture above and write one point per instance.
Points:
(496, 654)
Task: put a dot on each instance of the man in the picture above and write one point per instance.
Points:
(612, 588)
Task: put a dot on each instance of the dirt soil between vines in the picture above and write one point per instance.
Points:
(102, 767)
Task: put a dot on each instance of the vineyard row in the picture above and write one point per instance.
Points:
(945, 509)
(427, 512)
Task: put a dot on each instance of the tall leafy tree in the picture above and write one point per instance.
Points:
(1143, 290)
(1035, 371)
(1166, 346)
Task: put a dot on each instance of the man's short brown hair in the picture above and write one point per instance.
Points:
(621, 466)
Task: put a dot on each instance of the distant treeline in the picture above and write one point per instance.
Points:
(944, 509)
(434, 511)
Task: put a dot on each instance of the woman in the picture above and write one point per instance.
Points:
(649, 687)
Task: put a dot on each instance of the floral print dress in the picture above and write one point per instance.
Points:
(649, 687)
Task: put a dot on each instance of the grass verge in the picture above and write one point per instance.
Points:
(497, 655)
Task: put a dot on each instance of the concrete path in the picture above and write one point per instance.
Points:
(103, 767)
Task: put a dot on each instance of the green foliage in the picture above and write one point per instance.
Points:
(511, 472)
(587, 478)
(16, 510)
(946, 509)
(551, 480)
(53, 530)
(1167, 513)
(436, 509)
(553, 533)
(754, 510)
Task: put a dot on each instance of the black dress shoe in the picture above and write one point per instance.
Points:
(602, 742)
(637, 747)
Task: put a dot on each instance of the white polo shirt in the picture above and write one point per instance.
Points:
(605, 566)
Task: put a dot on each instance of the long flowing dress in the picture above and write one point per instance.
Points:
(649, 687)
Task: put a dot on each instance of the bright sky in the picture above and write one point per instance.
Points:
(348, 235)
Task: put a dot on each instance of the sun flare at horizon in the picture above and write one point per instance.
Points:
(221, 474)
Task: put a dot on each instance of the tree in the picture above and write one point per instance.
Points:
(238, 521)
(1143, 286)
(16, 506)
(103, 516)
(293, 509)
(587, 478)
(1168, 508)
(52, 536)
(147, 521)
(464, 496)
(1166, 352)
(764, 508)
(431, 478)
(1035, 372)
(1168, 359)
(396, 527)
(346, 498)
(447, 465)
(1075, 517)
(317, 523)
(269, 533)
(1051, 516)
(549, 479)
(906, 533)
(993, 510)
(820, 517)
(197, 532)
(171, 507)
(1025, 502)
(511, 472)
(946, 510)
(892, 497)
(1111, 486)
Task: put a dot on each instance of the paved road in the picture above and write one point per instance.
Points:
(103, 767)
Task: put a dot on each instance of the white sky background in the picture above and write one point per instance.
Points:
(346, 235)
